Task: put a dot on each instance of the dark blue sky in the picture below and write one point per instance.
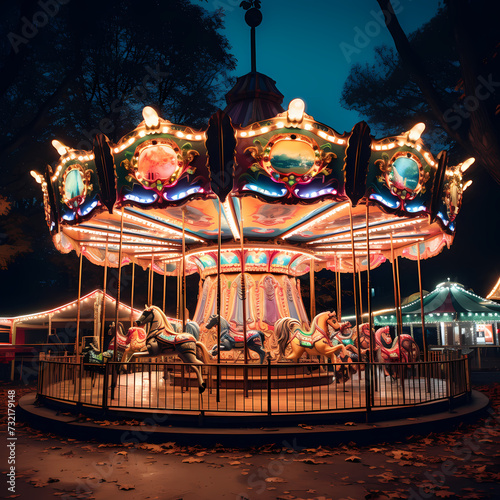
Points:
(308, 47)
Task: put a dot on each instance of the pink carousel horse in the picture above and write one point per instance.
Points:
(402, 349)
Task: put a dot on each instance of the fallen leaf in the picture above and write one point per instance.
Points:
(193, 460)
(126, 487)
(353, 458)
(275, 480)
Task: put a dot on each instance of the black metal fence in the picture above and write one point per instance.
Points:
(254, 389)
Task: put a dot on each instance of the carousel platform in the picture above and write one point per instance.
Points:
(297, 430)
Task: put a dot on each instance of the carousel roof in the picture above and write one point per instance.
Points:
(293, 184)
(448, 302)
(68, 312)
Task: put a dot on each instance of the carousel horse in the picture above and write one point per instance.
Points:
(163, 339)
(347, 336)
(133, 341)
(93, 356)
(316, 341)
(402, 349)
(232, 339)
(94, 360)
(191, 327)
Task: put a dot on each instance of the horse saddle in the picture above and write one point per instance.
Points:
(172, 341)
(307, 339)
(239, 339)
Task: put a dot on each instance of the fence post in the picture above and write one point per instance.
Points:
(105, 388)
(268, 384)
(368, 378)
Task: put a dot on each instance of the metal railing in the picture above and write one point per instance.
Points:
(270, 388)
(482, 357)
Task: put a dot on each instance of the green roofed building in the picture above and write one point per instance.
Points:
(453, 316)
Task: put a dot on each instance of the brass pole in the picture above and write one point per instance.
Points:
(339, 307)
(368, 299)
(152, 274)
(356, 312)
(394, 279)
(312, 290)
(78, 307)
(336, 286)
(360, 296)
(243, 285)
(178, 288)
(399, 313)
(164, 284)
(422, 312)
(149, 286)
(183, 295)
(132, 296)
(117, 305)
(101, 340)
(219, 244)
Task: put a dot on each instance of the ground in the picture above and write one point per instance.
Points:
(461, 463)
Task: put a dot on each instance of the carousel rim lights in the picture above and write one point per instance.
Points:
(158, 225)
(375, 242)
(259, 247)
(70, 305)
(372, 229)
(328, 212)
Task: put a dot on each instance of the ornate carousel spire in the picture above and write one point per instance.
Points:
(255, 96)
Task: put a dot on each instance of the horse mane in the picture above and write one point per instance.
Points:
(314, 322)
(224, 323)
(166, 323)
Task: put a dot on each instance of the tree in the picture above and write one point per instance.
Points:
(73, 69)
(447, 72)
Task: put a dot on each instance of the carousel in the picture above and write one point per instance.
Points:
(258, 198)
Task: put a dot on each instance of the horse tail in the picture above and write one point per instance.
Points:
(202, 353)
(282, 328)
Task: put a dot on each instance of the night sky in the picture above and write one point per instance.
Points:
(303, 46)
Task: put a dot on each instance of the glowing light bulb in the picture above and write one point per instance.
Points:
(296, 110)
(466, 164)
(466, 185)
(150, 117)
(60, 147)
(416, 132)
(38, 178)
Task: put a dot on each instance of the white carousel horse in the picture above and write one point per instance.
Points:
(163, 339)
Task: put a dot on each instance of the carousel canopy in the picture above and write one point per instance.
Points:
(68, 312)
(289, 185)
(448, 302)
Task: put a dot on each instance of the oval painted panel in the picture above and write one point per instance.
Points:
(289, 157)
(73, 185)
(157, 162)
(405, 174)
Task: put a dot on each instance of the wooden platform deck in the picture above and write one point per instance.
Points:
(149, 390)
